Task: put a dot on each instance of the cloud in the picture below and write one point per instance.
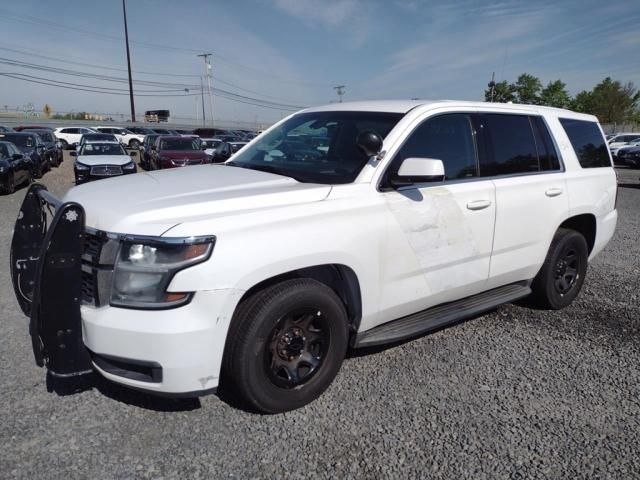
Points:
(328, 13)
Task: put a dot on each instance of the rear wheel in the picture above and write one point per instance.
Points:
(563, 272)
(285, 345)
(134, 144)
(9, 187)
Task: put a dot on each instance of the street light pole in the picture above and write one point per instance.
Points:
(126, 37)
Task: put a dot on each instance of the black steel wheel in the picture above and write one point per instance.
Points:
(285, 345)
(561, 277)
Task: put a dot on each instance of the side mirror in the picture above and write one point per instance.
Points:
(73, 154)
(418, 170)
(133, 154)
(369, 142)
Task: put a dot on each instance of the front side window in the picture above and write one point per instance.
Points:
(20, 141)
(316, 147)
(510, 145)
(587, 141)
(446, 137)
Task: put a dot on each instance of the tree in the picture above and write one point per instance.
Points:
(527, 89)
(502, 92)
(555, 95)
(582, 102)
(46, 110)
(613, 102)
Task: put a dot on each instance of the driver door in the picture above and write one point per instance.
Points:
(441, 233)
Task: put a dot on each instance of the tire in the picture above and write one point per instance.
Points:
(134, 144)
(563, 272)
(10, 186)
(285, 345)
(64, 143)
(38, 171)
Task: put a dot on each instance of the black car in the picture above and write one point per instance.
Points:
(53, 147)
(629, 156)
(145, 150)
(15, 168)
(32, 147)
(140, 130)
(4, 129)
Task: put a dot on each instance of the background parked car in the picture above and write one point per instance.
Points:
(629, 156)
(53, 148)
(32, 148)
(4, 129)
(70, 136)
(140, 130)
(145, 150)
(177, 151)
(96, 161)
(96, 137)
(124, 136)
(15, 168)
(621, 139)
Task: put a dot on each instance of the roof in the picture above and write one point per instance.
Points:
(404, 106)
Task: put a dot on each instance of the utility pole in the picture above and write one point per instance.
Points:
(492, 86)
(126, 38)
(207, 72)
(340, 91)
(204, 118)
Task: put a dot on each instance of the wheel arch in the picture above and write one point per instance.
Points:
(342, 279)
(585, 224)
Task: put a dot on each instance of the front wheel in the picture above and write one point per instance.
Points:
(285, 345)
(10, 185)
(563, 272)
(134, 144)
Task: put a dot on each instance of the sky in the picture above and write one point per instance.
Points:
(288, 54)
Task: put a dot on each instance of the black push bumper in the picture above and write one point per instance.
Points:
(47, 278)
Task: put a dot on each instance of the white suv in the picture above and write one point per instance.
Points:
(124, 136)
(70, 136)
(344, 226)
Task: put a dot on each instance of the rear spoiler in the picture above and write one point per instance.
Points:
(47, 279)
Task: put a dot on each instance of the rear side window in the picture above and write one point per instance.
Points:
(510, 145)
(547, 153)
(587, 141)
(446, 137)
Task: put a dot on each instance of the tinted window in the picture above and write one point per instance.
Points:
(587, 142)
(547, 153)
(446, 137)
(511, 147)
(317, 147)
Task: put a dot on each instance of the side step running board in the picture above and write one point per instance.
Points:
(437, 317)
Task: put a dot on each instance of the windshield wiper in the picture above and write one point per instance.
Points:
(263, 168)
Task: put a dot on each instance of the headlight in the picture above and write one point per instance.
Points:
(2, 169)
(129, 166)
(80, 166)
(145, 267)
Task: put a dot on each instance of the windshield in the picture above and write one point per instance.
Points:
(211, 143)
(316, 147)
(88, 137)
(180, 144)
(20, 141)
(102, 149)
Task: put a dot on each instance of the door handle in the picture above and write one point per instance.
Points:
(553, 192)
(478, 204)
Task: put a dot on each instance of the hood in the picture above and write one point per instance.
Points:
(92, 160)
(182, 154)
(150, 203)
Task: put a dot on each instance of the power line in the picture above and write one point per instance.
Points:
(29, 19)
(177, 86)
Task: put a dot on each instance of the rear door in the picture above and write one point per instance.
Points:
(519, 156)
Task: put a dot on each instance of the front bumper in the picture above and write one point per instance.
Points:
(96, 173)
(175, 351)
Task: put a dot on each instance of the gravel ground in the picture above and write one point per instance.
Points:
(516, 393)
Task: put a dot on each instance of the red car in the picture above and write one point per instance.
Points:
(177, 151)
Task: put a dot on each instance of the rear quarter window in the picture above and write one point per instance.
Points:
(588, 143)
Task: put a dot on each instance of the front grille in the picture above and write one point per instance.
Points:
(95, 274)
(106, 170)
